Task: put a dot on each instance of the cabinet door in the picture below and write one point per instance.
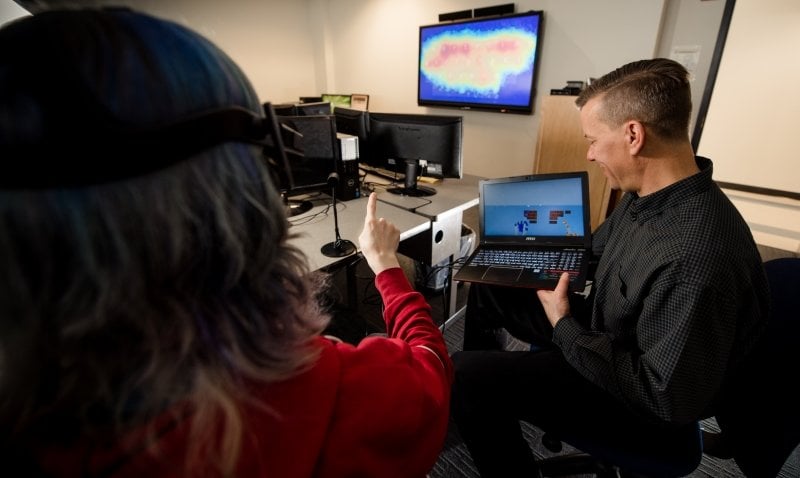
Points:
(561, 147)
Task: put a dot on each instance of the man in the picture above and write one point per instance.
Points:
(678, 300)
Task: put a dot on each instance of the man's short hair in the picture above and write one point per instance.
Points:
(655, 92)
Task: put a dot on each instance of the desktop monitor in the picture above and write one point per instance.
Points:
(313, 109)
(336, 101)
(285, 109)
(415, 145)
(355, 123)
(310, 99)
(312, 150)
(275, 152)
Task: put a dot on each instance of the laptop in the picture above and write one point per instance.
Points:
(532, 228)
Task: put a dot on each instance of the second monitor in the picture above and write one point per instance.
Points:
(312, 152)
(415, 145)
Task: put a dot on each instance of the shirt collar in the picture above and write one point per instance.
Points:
(643, 208)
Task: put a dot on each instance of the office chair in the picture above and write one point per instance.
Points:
(760, 421)
(759, 417)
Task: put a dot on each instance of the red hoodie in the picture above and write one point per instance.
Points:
(379, 409)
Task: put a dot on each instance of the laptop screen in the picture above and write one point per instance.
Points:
(548, 209)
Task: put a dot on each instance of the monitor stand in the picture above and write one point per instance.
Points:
(410, 186)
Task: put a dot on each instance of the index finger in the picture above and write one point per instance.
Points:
(372, 206)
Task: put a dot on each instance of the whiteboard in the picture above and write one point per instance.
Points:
(751, 129)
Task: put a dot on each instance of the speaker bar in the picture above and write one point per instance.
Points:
(460, 15)
(504, 9)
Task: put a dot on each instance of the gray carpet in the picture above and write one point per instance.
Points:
(455, 461)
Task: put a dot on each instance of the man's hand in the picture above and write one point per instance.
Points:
(379, 239)
(555, 302)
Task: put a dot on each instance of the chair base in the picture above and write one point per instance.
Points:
(579, 464)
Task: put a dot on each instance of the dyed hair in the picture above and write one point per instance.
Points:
(171, 290)
(655, 92)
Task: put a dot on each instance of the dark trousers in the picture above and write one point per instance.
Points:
(495, 389)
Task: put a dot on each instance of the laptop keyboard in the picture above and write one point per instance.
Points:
(538, 260)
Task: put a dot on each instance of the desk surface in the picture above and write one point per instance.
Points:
(316, 227)
(451, 194)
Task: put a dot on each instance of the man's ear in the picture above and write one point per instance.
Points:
(635, 135)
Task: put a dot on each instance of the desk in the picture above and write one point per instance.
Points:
(315, 228)
(444, 210)
(430, 228)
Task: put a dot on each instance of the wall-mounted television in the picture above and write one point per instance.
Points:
(486, 63)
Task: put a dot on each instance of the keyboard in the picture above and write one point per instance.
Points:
(566, 260)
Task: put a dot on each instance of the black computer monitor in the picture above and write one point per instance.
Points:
(355, 123)
(313, 109)
(312, 150)
(275, 152)
(415, 145)
(285, 109)
(310, 99)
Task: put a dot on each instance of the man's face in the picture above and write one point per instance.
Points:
(609, 148)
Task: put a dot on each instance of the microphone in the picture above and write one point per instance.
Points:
(339, 247)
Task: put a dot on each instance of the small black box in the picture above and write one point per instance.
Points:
(460, 15)
(505, 9)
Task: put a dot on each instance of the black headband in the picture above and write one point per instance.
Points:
(118, 152)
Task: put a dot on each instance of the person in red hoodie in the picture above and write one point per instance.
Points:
(156, 320)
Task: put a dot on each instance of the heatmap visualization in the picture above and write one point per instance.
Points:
(480, 62)
(533, 220)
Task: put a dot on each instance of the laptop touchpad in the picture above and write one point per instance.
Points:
(502, 274)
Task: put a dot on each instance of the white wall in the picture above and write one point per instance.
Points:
(750, 127)
(270, 39)
(752, 117)
(692, 25)
(375, 47)
(294, 48)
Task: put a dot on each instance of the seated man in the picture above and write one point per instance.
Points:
(678, 300)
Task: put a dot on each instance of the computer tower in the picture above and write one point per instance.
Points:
(349, 186)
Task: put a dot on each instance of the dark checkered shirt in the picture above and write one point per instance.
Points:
(680, 296)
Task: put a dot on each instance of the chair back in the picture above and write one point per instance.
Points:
(761, 421)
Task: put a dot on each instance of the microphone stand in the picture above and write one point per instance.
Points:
(339, 247)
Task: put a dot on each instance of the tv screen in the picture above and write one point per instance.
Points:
(483, 63)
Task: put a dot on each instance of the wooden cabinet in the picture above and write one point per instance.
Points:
(561, 147)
